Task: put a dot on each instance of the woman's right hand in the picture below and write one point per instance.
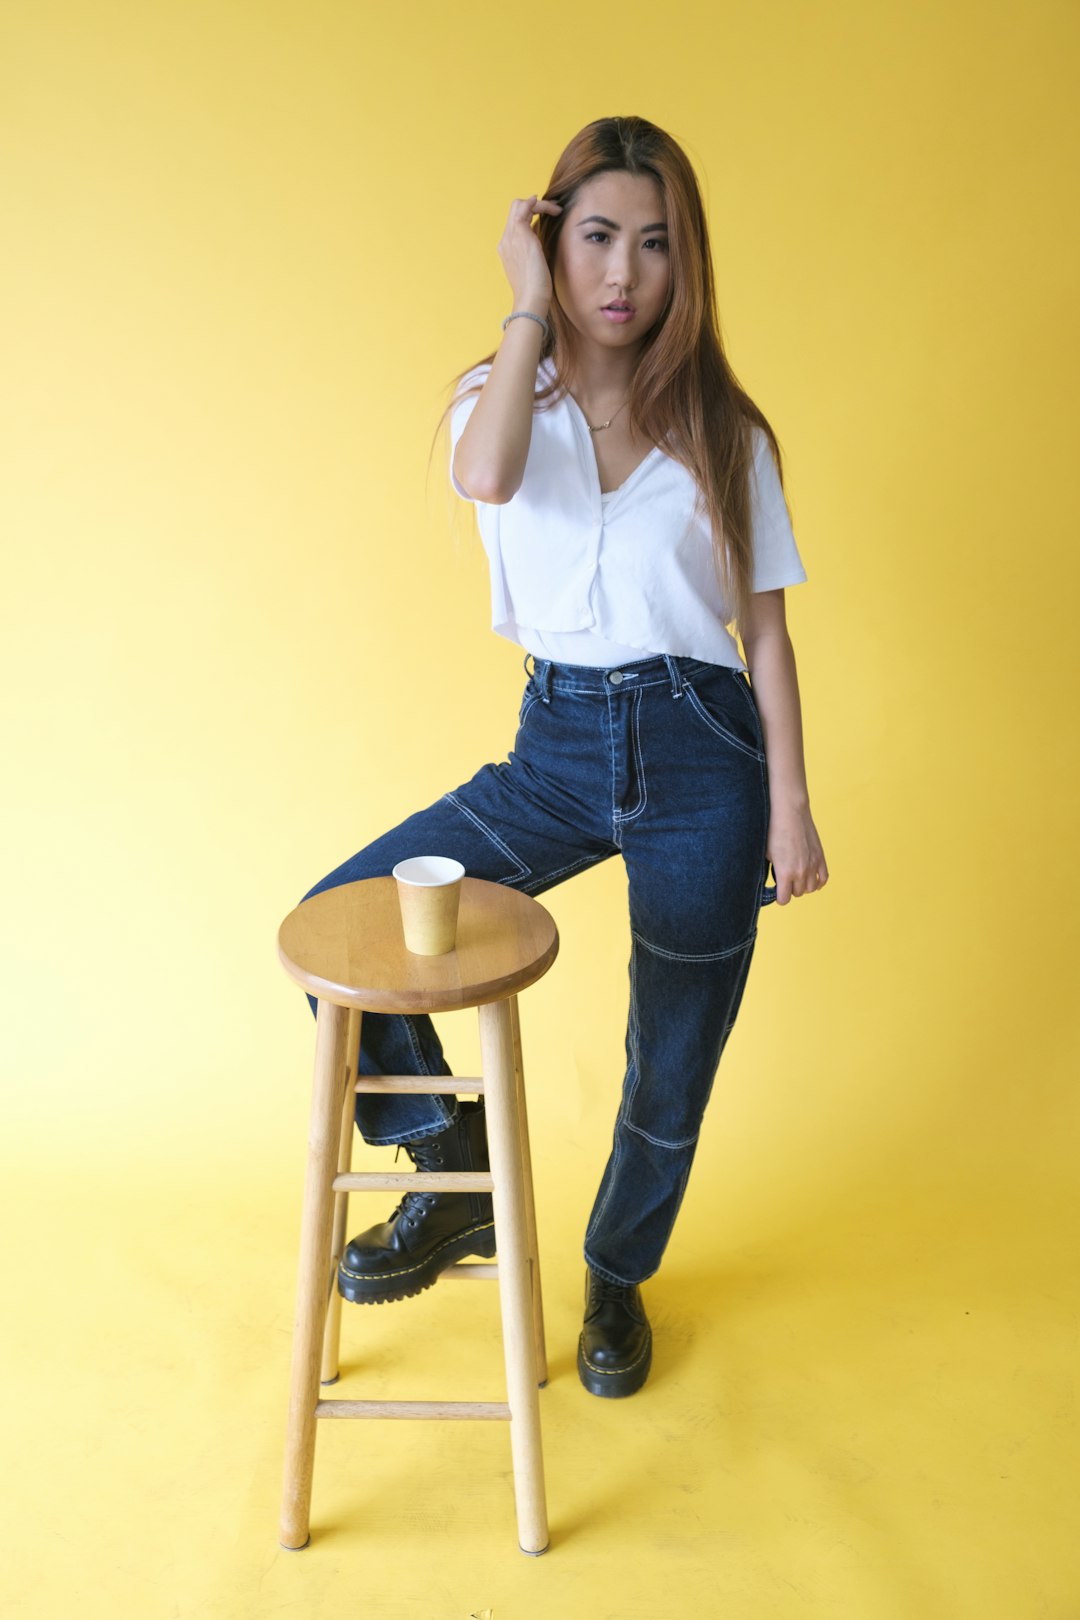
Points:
(523, 257)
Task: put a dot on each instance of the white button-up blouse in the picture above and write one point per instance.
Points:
(589, 578)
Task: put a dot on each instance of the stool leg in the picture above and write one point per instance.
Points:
(515, 1285)
(331, 1350)
(530, 1205)
(324, 1134)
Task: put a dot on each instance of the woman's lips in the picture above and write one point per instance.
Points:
(619, 316)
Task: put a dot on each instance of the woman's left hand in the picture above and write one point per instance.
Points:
(794, 850)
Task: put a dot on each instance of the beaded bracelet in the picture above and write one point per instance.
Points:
(518, 313)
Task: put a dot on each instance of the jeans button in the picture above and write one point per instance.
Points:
(615, 677)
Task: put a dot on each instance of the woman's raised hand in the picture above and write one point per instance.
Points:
(523, 257)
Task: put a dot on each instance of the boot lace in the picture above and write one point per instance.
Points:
(603, 1292)
(425, 1155)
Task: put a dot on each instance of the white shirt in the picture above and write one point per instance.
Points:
(584, 577)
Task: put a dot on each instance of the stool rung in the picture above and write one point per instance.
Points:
(467, 1271)
(432, 1084)
(412, 1409)
(414, 1181)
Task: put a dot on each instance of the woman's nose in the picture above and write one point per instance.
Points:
(624, 269)
(621, 275)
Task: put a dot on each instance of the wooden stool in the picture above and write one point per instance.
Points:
(345, 946)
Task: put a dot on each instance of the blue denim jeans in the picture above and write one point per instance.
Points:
(661, 761)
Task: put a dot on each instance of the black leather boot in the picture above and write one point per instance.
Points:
(615, 1348)
(428, 1231)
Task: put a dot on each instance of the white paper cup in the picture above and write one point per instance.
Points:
(429, 893)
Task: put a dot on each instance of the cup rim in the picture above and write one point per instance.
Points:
(452, 872)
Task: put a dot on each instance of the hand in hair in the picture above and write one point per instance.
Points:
(523, 257)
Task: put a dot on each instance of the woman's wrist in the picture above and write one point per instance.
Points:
(532, 319)
(536, 303)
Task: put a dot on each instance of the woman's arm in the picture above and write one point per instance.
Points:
(490, 458)
(793, 847)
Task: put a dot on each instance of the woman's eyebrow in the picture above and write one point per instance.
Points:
(598, 219)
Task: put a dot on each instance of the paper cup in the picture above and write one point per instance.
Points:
(429, 893)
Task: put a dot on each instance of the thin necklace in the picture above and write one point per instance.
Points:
(599, 425)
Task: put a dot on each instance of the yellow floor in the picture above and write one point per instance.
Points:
(861, 1406)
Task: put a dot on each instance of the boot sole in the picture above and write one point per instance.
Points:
(624, 1381)
(360, 1288)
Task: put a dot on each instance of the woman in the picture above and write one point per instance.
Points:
(629, 498)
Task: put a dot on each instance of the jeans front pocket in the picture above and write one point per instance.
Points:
(742, 683)
(726, 714)
(530, 696)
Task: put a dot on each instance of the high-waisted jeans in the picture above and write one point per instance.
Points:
(661, 761)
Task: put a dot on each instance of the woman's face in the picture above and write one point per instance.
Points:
(613, 245)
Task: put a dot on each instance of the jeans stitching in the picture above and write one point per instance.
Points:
(680, 1192)
(707, 956)
(634, 1030)
(687, 1141)
(592, 691)
(750, 703)
(661, 680)
(602, 1271)
(440, 1102)
(616, 1154)
(416, 1135)
(414, 1042)
(675, 676)
(522, 869)
(563, 871)
(616, 831)
(700, 709)
(765, 900)
(635, 1053)
(639, 761)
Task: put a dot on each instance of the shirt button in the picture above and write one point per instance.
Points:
(615, 677)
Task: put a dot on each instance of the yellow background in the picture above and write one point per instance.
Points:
(245, 630)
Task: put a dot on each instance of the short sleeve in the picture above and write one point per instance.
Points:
(459, 415)
(776, 556)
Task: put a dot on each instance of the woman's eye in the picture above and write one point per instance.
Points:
(652, 241)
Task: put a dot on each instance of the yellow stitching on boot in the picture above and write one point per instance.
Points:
(405, 1271)
(613, 1372)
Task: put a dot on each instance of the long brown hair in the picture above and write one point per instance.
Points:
(684, 393)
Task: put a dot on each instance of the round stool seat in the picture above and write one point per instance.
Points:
(346, 945)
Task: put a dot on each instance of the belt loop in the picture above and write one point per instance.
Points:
(676, 675)
(540, 673)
